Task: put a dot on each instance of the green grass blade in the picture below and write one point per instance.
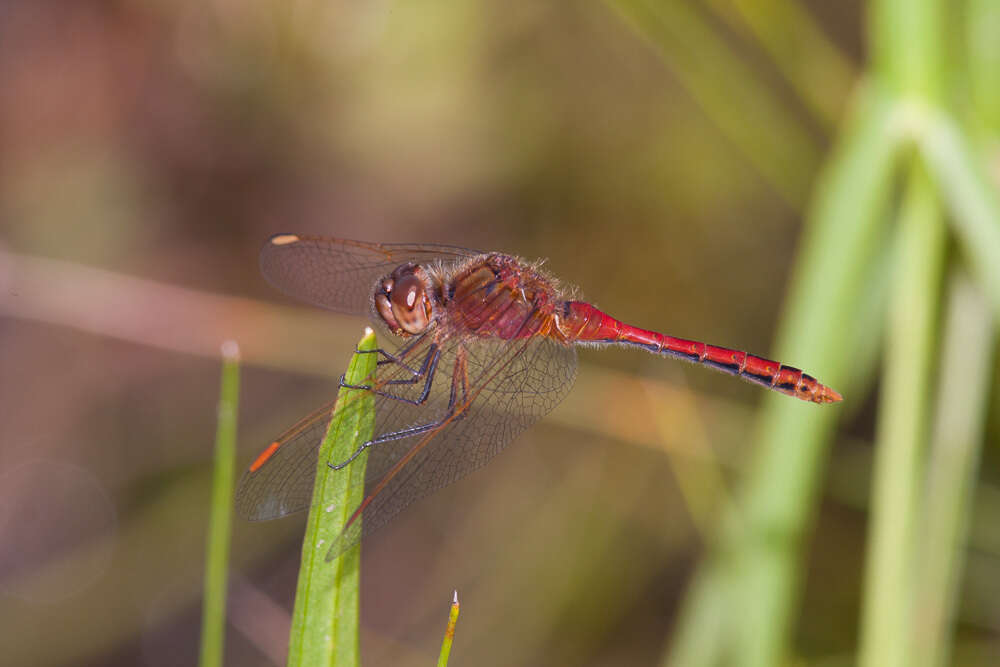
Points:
(759, 548)
(982, 25)
(843, 236)
(866, 332)
(449, 633)
(962, 409)
(907, 43)
(972, 199)
(325, 619)
(818, 71)
(902, 428)
(213, 617)
(698, 636)
(769, 136)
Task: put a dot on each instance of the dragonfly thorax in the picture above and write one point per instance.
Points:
(498, 296)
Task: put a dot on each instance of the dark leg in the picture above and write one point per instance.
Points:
(459, 383)
(426, 372)
(397, 358)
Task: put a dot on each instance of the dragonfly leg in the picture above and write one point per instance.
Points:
(397, 358)
(426, 372)
(459, 383)
(389, 437)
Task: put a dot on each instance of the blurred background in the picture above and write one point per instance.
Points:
(148, 149)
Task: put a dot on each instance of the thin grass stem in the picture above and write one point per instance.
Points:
(960, 416)
(902, 427)
(971, 197)
(449, 633)
(812, 63)
(213, 617)
(768, 135)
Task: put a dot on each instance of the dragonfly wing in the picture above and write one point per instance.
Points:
(280, 480)
(340, 274)
(511, 385)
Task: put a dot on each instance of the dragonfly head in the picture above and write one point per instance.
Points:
(402, 301)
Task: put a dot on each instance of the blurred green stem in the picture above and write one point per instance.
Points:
(213, 618)
(906, 40)
(706, 616)
(758, 552)
(810, 61)
(972, 199)
(960, 415)
(902, 428)
(982, 25)
(768, 134)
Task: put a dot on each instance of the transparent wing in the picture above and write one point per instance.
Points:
(280, 480)
(510, 386)
(339, 274)
(503, 387)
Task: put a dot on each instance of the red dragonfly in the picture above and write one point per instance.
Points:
(482, 346)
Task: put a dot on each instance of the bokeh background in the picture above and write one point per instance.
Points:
(662, 156)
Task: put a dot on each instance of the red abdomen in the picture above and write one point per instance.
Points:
(586, 324)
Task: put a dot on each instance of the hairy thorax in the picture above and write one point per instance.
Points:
(500, 296)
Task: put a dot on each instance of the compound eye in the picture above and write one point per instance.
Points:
(410, 307)
(384, 309)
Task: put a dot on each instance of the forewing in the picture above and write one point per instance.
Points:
(340, 274)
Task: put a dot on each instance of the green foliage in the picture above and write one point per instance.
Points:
(902, 128)
(902, 428)
(952, 462)
(449, 633)
(213, 620)
(325, 619)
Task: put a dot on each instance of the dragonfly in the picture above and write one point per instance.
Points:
(477, 347)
